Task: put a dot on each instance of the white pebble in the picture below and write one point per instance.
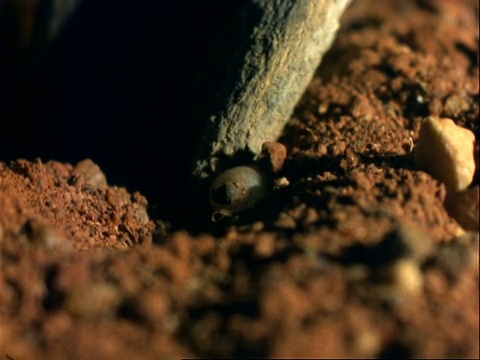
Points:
(446, 151)
(407, 276)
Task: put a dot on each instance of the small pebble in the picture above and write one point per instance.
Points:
(275, 153)
(407, 276)
(91, 173)
(446, 151)
(281, 182)
(323, 108)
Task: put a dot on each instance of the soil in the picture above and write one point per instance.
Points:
(353, 254)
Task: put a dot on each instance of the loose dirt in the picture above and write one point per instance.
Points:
(353, 254)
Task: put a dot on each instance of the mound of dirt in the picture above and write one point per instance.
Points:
(353, 254)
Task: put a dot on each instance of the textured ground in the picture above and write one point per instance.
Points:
(356, 257)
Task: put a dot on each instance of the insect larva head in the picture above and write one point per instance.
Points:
(237, 189)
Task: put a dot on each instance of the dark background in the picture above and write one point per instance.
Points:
(128, 84)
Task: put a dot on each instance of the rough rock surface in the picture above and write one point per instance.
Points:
(356, 257)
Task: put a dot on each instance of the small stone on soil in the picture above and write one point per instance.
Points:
(275, 153)
(91, 173)
(446, 151)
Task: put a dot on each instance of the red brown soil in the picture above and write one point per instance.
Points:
(356, 257)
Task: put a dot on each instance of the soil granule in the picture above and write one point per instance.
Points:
(353, 254)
